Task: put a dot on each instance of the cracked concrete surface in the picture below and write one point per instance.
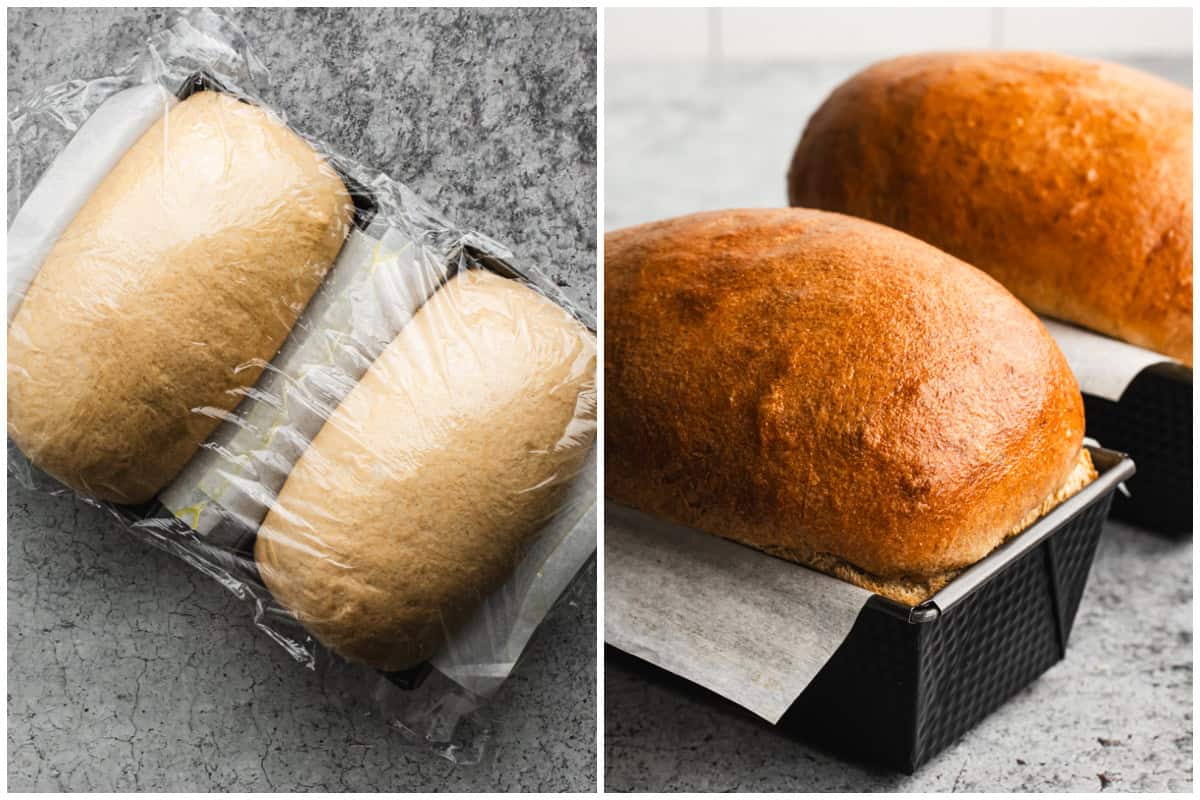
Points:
(130, 671)
(1115, 715)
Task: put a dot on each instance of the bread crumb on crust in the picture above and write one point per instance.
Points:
(916, 589)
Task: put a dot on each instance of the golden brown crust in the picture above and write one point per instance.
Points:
(912, 590)
(808, 383)
(1069, 181)
(181, 275)
(416, 498)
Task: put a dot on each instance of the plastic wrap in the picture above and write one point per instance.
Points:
(283, 367)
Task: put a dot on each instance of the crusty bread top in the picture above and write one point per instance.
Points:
(821, 386)
(416, 498)
(1069, 181)
(912, 590)
(180, 277)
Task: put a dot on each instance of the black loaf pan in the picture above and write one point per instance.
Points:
(908, 682)
(1153, 423)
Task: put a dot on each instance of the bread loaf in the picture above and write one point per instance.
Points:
(178, 280)
(832, 392)
(417, 497)
(1069, 181)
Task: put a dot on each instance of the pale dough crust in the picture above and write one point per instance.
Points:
(178, 280)
(417, 497)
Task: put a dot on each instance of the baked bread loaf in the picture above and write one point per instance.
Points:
(416, 499)
(1069, 181)
(178, 280)
(832, 392)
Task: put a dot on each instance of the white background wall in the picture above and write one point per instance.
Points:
(811, 34)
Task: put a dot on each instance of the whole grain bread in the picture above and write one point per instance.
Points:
(833, 392)
(159, 305)
(416, 499)
(1068, 180)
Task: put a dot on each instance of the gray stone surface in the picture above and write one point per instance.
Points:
(684, 138)
(127, 669)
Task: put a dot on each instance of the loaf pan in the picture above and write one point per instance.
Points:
(908, 681)
(234, 565)
(1153, 423)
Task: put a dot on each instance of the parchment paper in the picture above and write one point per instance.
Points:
(1104, 367)
(752, 628)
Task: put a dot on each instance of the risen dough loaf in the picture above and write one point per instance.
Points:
(833, 392)
(179, 278)
(415, 500)
(1069, 181)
